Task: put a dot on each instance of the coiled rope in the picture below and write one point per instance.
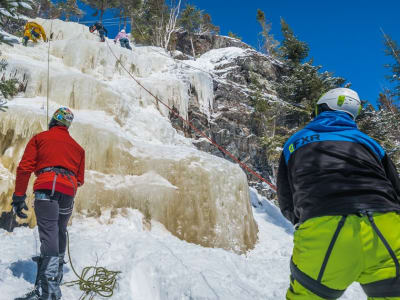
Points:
(194, 128)
(93, 280)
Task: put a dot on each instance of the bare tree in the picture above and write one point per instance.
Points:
(171, 26)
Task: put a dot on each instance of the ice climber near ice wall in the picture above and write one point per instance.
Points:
(58, 161)
(100, 29)
(123, 39)
(33, 31)
(342, 191)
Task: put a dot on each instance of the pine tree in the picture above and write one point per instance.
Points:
(234, 35)
(125, 9)
(69, 8)
(302, 83)
(269, 44)
(383, 124)
(46, 9)
(10, 9)
(207, 25)
(292, 48)
(154, 22)
(191, 21)
(392, 49)
(100, 6)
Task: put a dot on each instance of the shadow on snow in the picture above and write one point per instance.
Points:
(27, 270)
(271, 212)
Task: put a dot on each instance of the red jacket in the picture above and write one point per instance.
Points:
(52, 148)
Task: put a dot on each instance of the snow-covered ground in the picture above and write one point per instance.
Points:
(156, 265)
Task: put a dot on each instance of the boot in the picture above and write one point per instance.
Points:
(25, 41)
(61, 264)
(34, 294)
(48, 278)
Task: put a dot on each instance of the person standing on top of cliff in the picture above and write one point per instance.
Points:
(342, 191)
(123, 39)
(58, 161)
(100, 28)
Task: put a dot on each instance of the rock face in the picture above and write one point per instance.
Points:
(237, 75)
(204, 42)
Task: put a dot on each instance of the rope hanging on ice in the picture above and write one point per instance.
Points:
(93, 280)
(48, 72)
(198, 131)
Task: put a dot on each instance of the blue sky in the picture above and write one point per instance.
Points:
(344, 36)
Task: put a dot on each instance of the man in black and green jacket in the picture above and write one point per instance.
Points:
(342, 191)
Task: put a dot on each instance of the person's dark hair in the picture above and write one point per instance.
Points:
(321, 108)
(54, 122)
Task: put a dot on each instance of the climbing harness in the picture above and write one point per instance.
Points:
(59, 171)
(383, 288)
(387, 287)
(93, 280)
(316, 286)
(190, 124)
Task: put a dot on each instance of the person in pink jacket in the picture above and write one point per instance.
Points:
(122, 37)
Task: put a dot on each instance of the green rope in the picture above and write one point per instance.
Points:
(93, 280)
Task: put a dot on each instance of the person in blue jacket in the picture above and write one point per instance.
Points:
(342, 191)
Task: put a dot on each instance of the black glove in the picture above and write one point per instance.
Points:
(18, 205)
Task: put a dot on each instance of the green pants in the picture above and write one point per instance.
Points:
(335, 251)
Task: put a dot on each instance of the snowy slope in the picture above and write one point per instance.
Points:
(156, 265)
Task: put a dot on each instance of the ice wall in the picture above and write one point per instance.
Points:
(134, 158)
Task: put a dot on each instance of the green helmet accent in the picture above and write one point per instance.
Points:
(342, 99)
(64, 116)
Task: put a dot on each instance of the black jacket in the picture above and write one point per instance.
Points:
(331, 168)
(99, 27)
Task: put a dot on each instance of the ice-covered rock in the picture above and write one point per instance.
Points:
(134, 157)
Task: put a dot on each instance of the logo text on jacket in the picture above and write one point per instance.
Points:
(302, 141)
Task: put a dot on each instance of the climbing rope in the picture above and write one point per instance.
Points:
(48, 72)
(93, 280)
(190, 124)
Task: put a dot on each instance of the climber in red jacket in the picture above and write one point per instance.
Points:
(58, 161)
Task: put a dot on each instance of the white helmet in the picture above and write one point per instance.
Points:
(342, 99)
(122, 30)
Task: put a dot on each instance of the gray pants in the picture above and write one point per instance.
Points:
(125, 43)
(52, 214)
